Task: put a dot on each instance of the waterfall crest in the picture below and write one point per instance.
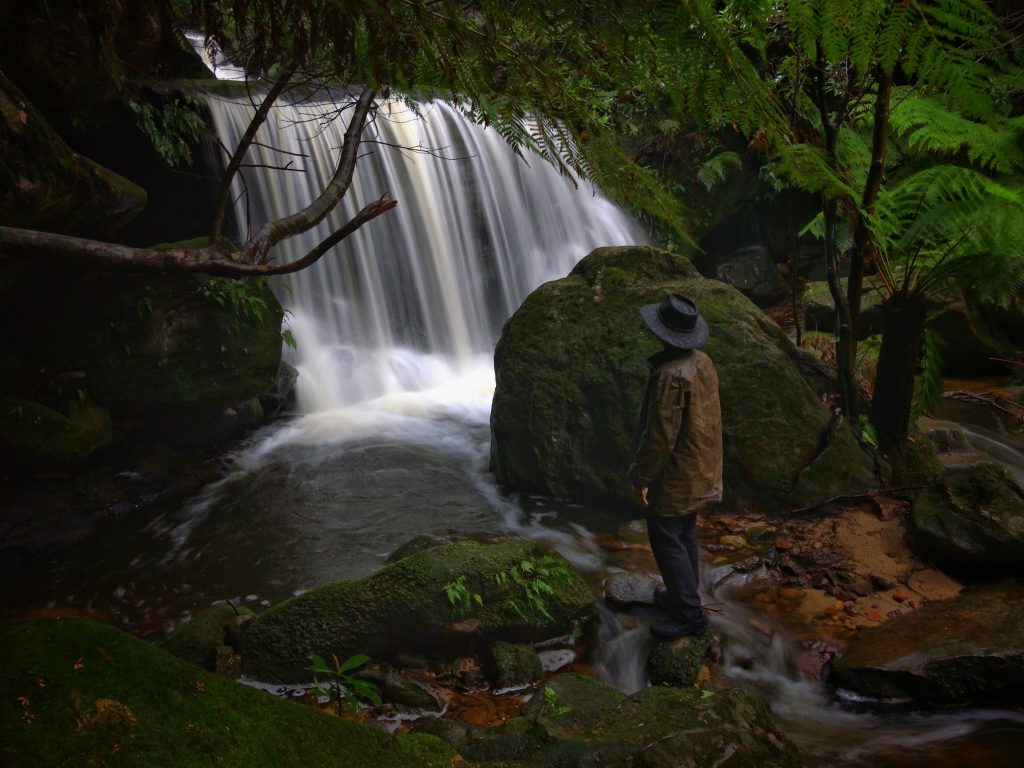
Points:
(418, 296)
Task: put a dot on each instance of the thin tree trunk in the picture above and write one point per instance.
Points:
(844, 329)
(235, 162)
(903, 317)
(862, 240)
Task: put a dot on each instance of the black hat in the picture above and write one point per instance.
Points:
(676, 321)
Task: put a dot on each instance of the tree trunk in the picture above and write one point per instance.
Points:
(845, 343)
(903, 318)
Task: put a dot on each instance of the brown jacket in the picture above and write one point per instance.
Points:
(679, 445)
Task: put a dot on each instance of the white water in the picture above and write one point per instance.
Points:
(415, 300)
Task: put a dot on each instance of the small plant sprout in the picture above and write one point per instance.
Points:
(338, 684)
(461, 598)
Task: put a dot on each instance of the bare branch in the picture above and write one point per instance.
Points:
(256, 250)
(243, 146)
(208, 261)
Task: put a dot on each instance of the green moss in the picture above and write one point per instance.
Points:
(404, 606)
(77, 692)
(197, 640)
(596, 725)
(34, 436)
(972, 521)
(571, 367)
(678, 663)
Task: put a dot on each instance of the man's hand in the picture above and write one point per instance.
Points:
(640, 496)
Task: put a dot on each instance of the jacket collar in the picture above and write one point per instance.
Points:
(658, 359)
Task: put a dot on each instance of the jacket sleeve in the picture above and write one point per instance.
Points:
(658, 436)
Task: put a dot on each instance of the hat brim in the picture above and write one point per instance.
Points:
(678, 339)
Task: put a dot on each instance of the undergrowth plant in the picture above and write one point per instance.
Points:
(338, 684)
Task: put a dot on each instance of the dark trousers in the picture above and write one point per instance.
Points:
(674, 542)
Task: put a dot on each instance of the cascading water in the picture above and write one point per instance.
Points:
(417, 297)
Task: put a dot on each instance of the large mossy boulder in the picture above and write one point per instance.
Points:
(966, 650)
(77, 692)
(972, 521)
(45, 185)
(571, 366)
(582, 723)
(164, 354)
(445, 600)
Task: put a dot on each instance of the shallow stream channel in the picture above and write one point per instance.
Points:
(330, 495)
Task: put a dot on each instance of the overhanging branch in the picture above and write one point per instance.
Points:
(256, 250)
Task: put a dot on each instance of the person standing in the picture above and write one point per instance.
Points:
(677, 467)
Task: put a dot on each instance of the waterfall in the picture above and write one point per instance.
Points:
(416, 298)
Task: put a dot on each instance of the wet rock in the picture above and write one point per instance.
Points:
(201, 639)
(34, 436)
(951, 443)
(678, 662)
(557, 660)
(227, 662)
(281, 396)
(627, 589)
(820, 314)
(514, 665)
(409, 692)
(585, 724)
(966, 650)
(424, 603)
(973, 521)
(732, 542)
(563, 418)
(753, 272)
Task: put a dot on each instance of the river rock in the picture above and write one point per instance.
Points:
(200, 639)
(973, 521)
(514, 665)
(425, 602)
(966, 650)
(626, 589)
(85, 693)
(819, 313)
(585, 724)
(34, 436)
(678, 662)
(571, 367)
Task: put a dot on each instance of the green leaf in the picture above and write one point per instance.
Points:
(354, 662)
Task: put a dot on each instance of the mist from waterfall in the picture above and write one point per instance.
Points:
(415, 300)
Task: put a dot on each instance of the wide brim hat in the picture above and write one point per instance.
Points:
(676, 321)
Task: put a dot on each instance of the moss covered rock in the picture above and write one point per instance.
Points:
(440, 601)
(583, 723)
(77, 692)
(35, 436)
(165, 354)
(678, 662)
(198, 640)
(571, 366)
(46, 185)
(973, 520)
(969, 649)
(514, 664)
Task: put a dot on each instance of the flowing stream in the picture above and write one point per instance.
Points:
(395, 333)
